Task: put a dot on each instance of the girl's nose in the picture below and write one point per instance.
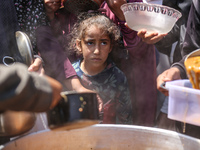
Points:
(97, 50)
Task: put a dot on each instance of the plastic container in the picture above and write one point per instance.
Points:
(184, 102)
(152, 17)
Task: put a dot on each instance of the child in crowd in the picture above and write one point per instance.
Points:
(94, 36)
(137, 61)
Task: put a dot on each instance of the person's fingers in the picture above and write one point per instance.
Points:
(172, 74)
(161, 79)
(42, 72)
(150, 38)
(168, 75)
(163, 90)
(141, 33)
(37, 64)
(157, 38)
(166, 93)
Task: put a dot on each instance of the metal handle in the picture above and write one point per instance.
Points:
(8, 61)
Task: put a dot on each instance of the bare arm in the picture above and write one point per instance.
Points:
(25, 91)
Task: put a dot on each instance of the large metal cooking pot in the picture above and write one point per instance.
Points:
(13, 123)
(75, 110)
(106, 137)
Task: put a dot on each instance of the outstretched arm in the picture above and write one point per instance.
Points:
(24, 91)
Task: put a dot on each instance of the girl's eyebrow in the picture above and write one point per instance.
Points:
(107, 39)
(92, 39)
(88, 39)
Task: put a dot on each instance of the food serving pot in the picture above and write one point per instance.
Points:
(13, 123)
(74, 110)
(106, 137)
(192, 63)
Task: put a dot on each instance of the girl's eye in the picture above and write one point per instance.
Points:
(104, 43)
(89, 43)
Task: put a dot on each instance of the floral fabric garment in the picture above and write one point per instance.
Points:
(31, 14)
(112, 88)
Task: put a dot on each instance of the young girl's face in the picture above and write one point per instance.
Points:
(95, 47)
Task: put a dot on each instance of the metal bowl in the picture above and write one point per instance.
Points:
(106, 137)
(152, 17)
(13, 123)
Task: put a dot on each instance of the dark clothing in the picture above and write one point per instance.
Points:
(112, 86)
(177, 34)
(191, 41)
(30, 15)
(57, 65)
(192, 37)
(8, 27)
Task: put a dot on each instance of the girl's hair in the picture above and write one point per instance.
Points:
(85, 21)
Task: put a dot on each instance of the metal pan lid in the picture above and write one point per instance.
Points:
(24, 47)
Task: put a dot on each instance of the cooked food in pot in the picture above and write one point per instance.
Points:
(192, 65)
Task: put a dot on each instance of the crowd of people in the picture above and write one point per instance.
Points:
(92, 50)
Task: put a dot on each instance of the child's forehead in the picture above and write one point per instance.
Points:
(95, 29)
